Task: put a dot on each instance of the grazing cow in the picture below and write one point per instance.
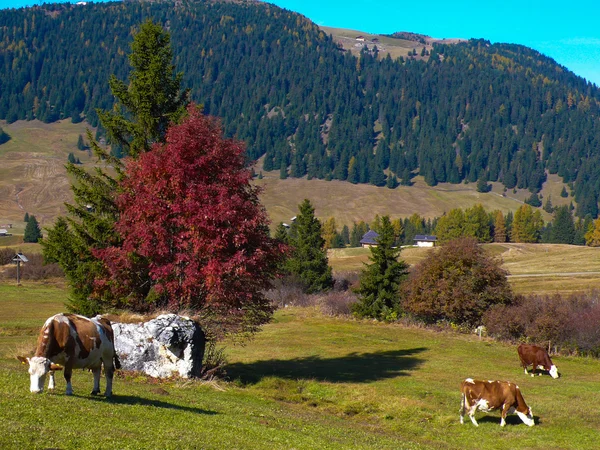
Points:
(491, 395)
(532, 355)
(74, 342)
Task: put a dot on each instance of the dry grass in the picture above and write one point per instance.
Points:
(533, 268)
(32, 173)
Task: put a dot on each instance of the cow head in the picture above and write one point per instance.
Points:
(554, 371)
(38, 369)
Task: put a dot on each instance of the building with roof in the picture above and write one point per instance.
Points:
(423, 240)
(369, 239)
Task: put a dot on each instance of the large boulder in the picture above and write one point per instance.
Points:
(166, 346)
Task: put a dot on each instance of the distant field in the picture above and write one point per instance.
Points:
(305, 382)
(533, 268)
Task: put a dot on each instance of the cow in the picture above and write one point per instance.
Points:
(70, 341)
(491, 395)
(532, 355)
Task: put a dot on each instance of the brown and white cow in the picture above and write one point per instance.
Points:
(532, 355)
(491, 395)
(73, 342)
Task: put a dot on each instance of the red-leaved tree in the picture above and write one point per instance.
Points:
(194, 235)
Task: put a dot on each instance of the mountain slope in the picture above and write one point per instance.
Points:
(466, 111)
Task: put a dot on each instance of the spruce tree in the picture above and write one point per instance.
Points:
(26, 217)
(152, 95)
(32, 230)
(80, 143)
(563, 228)
(309, 258)
(378, 292)
(144, 108)
(345, 235)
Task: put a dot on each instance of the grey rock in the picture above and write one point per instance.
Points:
(166, 346)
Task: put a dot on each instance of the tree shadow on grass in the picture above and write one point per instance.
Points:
(352, 368)
(133, 400)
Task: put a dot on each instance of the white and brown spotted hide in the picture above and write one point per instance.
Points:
(493, 395)
(73, 342)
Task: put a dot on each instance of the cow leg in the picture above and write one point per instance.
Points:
(472, 415)
(109, 371)
(96, 373)
(68, 373)
(51, 384)
(505, 410)
(462, 408)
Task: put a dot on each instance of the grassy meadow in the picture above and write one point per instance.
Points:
(306, 381)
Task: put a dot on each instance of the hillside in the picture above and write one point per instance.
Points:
(450, 113)
(34, 180)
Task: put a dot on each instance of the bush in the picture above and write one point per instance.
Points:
(34, 269)
(6, 256)
(337, 303)
(458, 283)
(567, 323)
(287, 291)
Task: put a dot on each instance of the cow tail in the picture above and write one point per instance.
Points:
(117, 361)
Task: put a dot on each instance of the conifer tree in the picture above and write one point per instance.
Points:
(345, 235)
(33, 233)
(152, 95)
(144, 108)
(527, 225)
(80, 143)
(563, 227)
(26, 217)
(309, 258)
(592, 236)
(378, 292)
(499, 227)
(355, 236)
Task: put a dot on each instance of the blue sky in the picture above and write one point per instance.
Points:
(567, 31)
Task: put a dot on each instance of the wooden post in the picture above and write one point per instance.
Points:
(18, 273)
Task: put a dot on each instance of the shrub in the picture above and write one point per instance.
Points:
(459, 282)
(287, 291)
(337, 303)
(6, 256)
(567, 323)
(34, 269)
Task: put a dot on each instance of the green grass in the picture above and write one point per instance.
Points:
(306, 381)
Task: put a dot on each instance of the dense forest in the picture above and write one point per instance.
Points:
(471, 111)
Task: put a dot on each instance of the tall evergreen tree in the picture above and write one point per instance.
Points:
(144, 108)
(563, 227)
(378, 292)
(309, 258)
(345, 235)
(152, 95)
(33, 233)
(500, 233)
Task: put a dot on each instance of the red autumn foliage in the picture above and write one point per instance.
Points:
(192, 222)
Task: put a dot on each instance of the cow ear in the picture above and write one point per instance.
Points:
(23, 359)
(55, 367)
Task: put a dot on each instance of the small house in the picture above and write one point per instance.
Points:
(360, 38)
(422, 240)
(3, 232)
(369, 239)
